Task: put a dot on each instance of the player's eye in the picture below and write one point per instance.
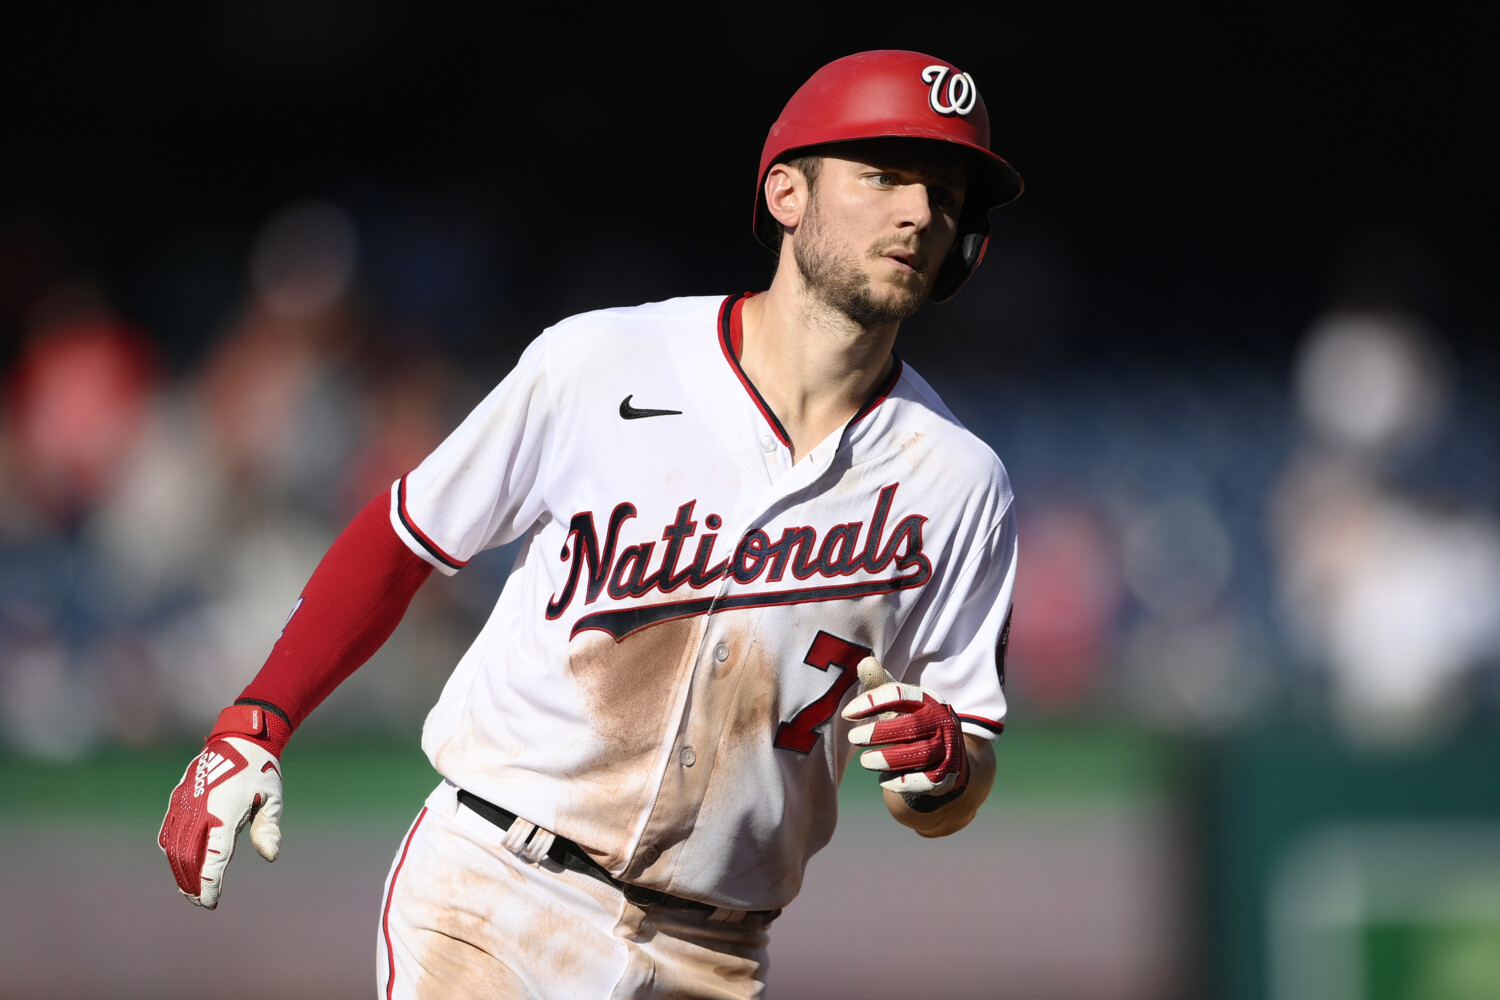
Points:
(883, 179)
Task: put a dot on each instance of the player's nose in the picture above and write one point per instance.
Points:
(914, 206)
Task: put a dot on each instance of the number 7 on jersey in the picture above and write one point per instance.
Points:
(826, 651)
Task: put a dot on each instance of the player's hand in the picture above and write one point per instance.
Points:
(920, 742)
(235, 780)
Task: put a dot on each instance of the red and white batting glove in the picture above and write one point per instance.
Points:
(235, 780)
(919, 740)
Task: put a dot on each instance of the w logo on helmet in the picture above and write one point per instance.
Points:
(960, 92)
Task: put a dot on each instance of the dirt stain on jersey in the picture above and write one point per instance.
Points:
(736, 696)
(746, 744)
(630, 684)
(629, 689)
(916, 450)
(751, 719)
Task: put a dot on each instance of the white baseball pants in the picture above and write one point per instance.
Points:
(464, 916)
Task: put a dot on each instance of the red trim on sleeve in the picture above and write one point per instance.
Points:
(979, 720)
(350, 606)
(432, 547)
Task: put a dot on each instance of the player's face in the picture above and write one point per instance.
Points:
(878, 225)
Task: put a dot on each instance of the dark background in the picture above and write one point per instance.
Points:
(1207, 175)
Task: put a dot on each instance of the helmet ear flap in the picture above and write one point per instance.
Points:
(968, 251)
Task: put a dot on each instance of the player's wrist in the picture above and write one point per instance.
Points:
(924, 803)
(932, 801)
(257, 721)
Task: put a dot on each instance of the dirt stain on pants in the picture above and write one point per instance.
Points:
(465, 917)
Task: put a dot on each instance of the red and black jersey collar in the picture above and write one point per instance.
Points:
(732, 338)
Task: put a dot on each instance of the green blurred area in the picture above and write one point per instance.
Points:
(335, 782)
(1326, 863)
(1432, 960)
(1268, 821)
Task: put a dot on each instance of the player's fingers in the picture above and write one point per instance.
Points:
(871, 674)
(908, 782)
(218, 849)
(925, 755)
(183, 836)
(899, 728)
(919, 783)
(892, 697)
(265, 827)
(182, 855)
(891, 727)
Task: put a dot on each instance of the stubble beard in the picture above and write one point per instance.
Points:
(833, 274)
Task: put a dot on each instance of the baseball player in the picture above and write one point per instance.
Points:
(754, 539)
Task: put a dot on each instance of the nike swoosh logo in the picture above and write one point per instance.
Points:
(635, 413)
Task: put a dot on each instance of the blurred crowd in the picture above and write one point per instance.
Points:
(163, 512)
(1205, 543)
(1216, 544)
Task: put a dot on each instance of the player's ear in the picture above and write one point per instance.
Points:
(786, 193)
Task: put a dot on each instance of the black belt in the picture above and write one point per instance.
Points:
(570, 855)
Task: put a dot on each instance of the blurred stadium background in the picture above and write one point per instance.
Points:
(1236, 346)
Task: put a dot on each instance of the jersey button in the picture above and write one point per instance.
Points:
(721, 652)
(688, 757)
(649, 855)
(767, 444)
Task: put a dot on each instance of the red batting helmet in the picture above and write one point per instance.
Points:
(905, 95)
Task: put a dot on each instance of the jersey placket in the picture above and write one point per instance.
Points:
(688, 768)
(714, 690)
(778, 457)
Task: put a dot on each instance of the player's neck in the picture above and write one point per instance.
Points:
(814, 366)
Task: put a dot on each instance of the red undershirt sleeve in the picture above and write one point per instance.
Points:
(350, 607)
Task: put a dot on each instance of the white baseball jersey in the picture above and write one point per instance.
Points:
(661, 677)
